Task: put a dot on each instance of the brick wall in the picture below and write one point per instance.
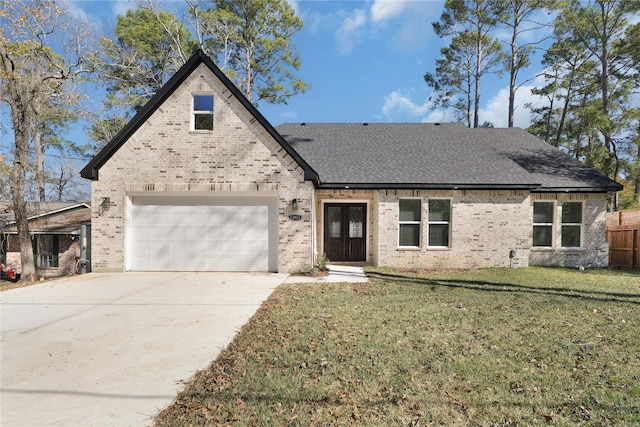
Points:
(68, 251)
(165, 157)
(370, 197)
(485, 226)
(595, 250)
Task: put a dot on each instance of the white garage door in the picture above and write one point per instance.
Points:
(204, 234)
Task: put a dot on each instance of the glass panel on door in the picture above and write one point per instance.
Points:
(356, 222)
(334, 218)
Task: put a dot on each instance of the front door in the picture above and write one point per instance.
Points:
(345, 231)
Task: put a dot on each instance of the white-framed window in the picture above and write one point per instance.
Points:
(202, 111)
(439, 222)
(410, 223)
(571, 224)
(543, 224)
(45, 247)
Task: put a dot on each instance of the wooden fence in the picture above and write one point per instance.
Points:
(623, 236)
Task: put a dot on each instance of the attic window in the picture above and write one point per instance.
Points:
(203, 112)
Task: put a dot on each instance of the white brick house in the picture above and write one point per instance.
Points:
(199, 180)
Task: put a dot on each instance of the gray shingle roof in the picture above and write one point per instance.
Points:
(429, 155)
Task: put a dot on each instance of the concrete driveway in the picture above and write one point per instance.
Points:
(114, 349)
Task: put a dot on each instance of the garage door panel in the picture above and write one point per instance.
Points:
(213, 234)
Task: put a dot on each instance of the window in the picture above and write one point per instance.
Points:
(203, 112)
(543, 224)
(410, 221)
(571, 224)
(46, 250)
(439, 222)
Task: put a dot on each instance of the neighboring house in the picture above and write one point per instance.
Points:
(56, 231)
(199, 180)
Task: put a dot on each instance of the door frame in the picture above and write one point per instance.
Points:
(367, 221)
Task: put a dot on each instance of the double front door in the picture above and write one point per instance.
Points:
(345, 231)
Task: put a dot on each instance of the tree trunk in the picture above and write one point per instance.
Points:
(612, 162)
(513, 74)
(249, 59)
(565, 110)
(636, 181)
(476, 107)
(17, 192)
(469, 100)
(37, 143)
(547, 134)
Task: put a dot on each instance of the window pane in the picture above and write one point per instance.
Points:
(439, 210)
(203, 122)
(439, 235)
(542, 235)
(543, 212)
(335, 221)
(572, 213)
(410, 209)
(409, 235)
(571, 236)
(202, 102)
(356, 220)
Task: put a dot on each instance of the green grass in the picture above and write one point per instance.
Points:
(528, 346)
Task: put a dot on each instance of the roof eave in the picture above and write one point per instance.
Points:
(425, 186)
(50, 213)
(604, 189)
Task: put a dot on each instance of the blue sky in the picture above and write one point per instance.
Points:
(364, 60)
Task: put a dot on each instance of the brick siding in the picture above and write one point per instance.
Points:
(594, 251)
(164, 157)
(486, 225)
(68, 252)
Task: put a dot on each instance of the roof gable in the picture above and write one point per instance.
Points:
(90, 171)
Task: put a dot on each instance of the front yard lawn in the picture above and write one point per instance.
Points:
(532, 346)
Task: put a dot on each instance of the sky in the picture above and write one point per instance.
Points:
(364, 61)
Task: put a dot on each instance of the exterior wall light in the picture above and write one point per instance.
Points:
(294, 204)
(104, 206)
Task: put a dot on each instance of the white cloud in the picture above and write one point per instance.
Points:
(295, 6)
(440, 116)
(396, 105)
(99, 16)
(405, 24)
(382, 10)
(76, 11)
(288, 116)
(120, 7)
(496, 109)
(350, 31)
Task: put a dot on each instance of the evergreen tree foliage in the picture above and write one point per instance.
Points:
(472, 54)
(591, 73)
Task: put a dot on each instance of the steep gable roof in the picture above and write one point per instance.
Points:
(431, 155)
(90, 171)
